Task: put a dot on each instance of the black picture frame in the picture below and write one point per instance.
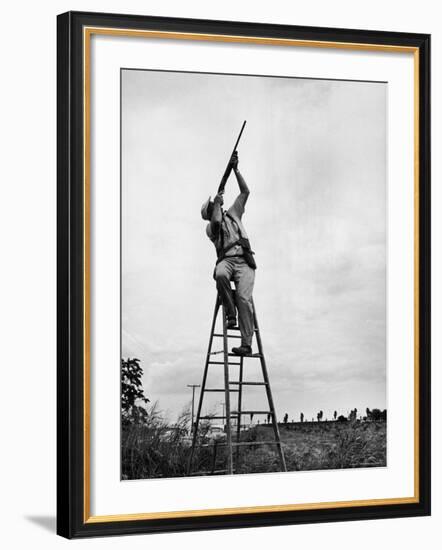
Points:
(72, 520)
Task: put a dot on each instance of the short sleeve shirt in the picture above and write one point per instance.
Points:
(229, 227)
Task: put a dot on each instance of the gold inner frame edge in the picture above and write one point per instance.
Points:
(87, 33)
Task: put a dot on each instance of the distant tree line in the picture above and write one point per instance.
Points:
(376, 415)
(372, 415)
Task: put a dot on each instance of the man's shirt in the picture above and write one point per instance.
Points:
(232, 229)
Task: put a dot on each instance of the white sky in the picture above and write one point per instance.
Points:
(314, 156)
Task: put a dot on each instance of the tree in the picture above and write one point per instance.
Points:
(320, 415)
(376, 415)
(132, 392)
(302, 417)
(286, 418)
(335, 415)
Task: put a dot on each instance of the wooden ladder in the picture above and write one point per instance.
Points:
(235, 386)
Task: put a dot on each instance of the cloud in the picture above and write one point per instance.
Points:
(313, 154)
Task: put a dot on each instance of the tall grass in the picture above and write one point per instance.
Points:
(335, 445)
(157, 449)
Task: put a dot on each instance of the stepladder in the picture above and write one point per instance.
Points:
(233, 382)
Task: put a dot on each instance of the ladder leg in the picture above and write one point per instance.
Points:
(269, 392)
(227, 395)
(194, 429)
(238, 427)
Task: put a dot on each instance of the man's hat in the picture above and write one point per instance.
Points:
(205, 209)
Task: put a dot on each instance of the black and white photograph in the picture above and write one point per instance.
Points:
(243, 219)
(253, 274)
(222, 265)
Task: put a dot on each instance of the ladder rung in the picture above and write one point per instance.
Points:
(219, 389)
(235, 354)
(228, 335)
(244, 443)
(222, 363)
(251, 355)
(240, 443)
(249, 383)
(237, 328)
(251, 412)
(216, 417)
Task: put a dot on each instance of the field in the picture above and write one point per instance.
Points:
(321, 446)
(158, 451)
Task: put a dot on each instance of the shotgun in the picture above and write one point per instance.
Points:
(229, 165)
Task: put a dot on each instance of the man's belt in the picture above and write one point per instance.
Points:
(223, 252)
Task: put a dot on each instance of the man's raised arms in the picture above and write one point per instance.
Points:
(241, 199)
(217, 216)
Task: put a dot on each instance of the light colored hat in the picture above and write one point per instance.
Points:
(205, 209)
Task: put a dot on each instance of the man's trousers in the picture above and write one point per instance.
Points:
(236, 269)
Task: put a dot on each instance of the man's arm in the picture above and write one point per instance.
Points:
(241, 183)
(217, 216)
(241, 199)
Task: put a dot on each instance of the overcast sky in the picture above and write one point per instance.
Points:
(314, 156)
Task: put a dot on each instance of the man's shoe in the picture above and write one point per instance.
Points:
(231, 322)
(242, 350)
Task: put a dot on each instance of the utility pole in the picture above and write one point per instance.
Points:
(223, 405)
(193, 386)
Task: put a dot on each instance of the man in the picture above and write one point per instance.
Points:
(235, 259)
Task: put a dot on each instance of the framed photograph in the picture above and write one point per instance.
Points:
(243, 274)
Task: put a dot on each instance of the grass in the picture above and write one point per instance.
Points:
(158, 450)
(321, 446)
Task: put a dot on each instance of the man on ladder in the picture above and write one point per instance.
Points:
(235, 262)
(235, 257)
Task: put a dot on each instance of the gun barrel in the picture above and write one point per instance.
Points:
(239, 137)
(229, 167)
